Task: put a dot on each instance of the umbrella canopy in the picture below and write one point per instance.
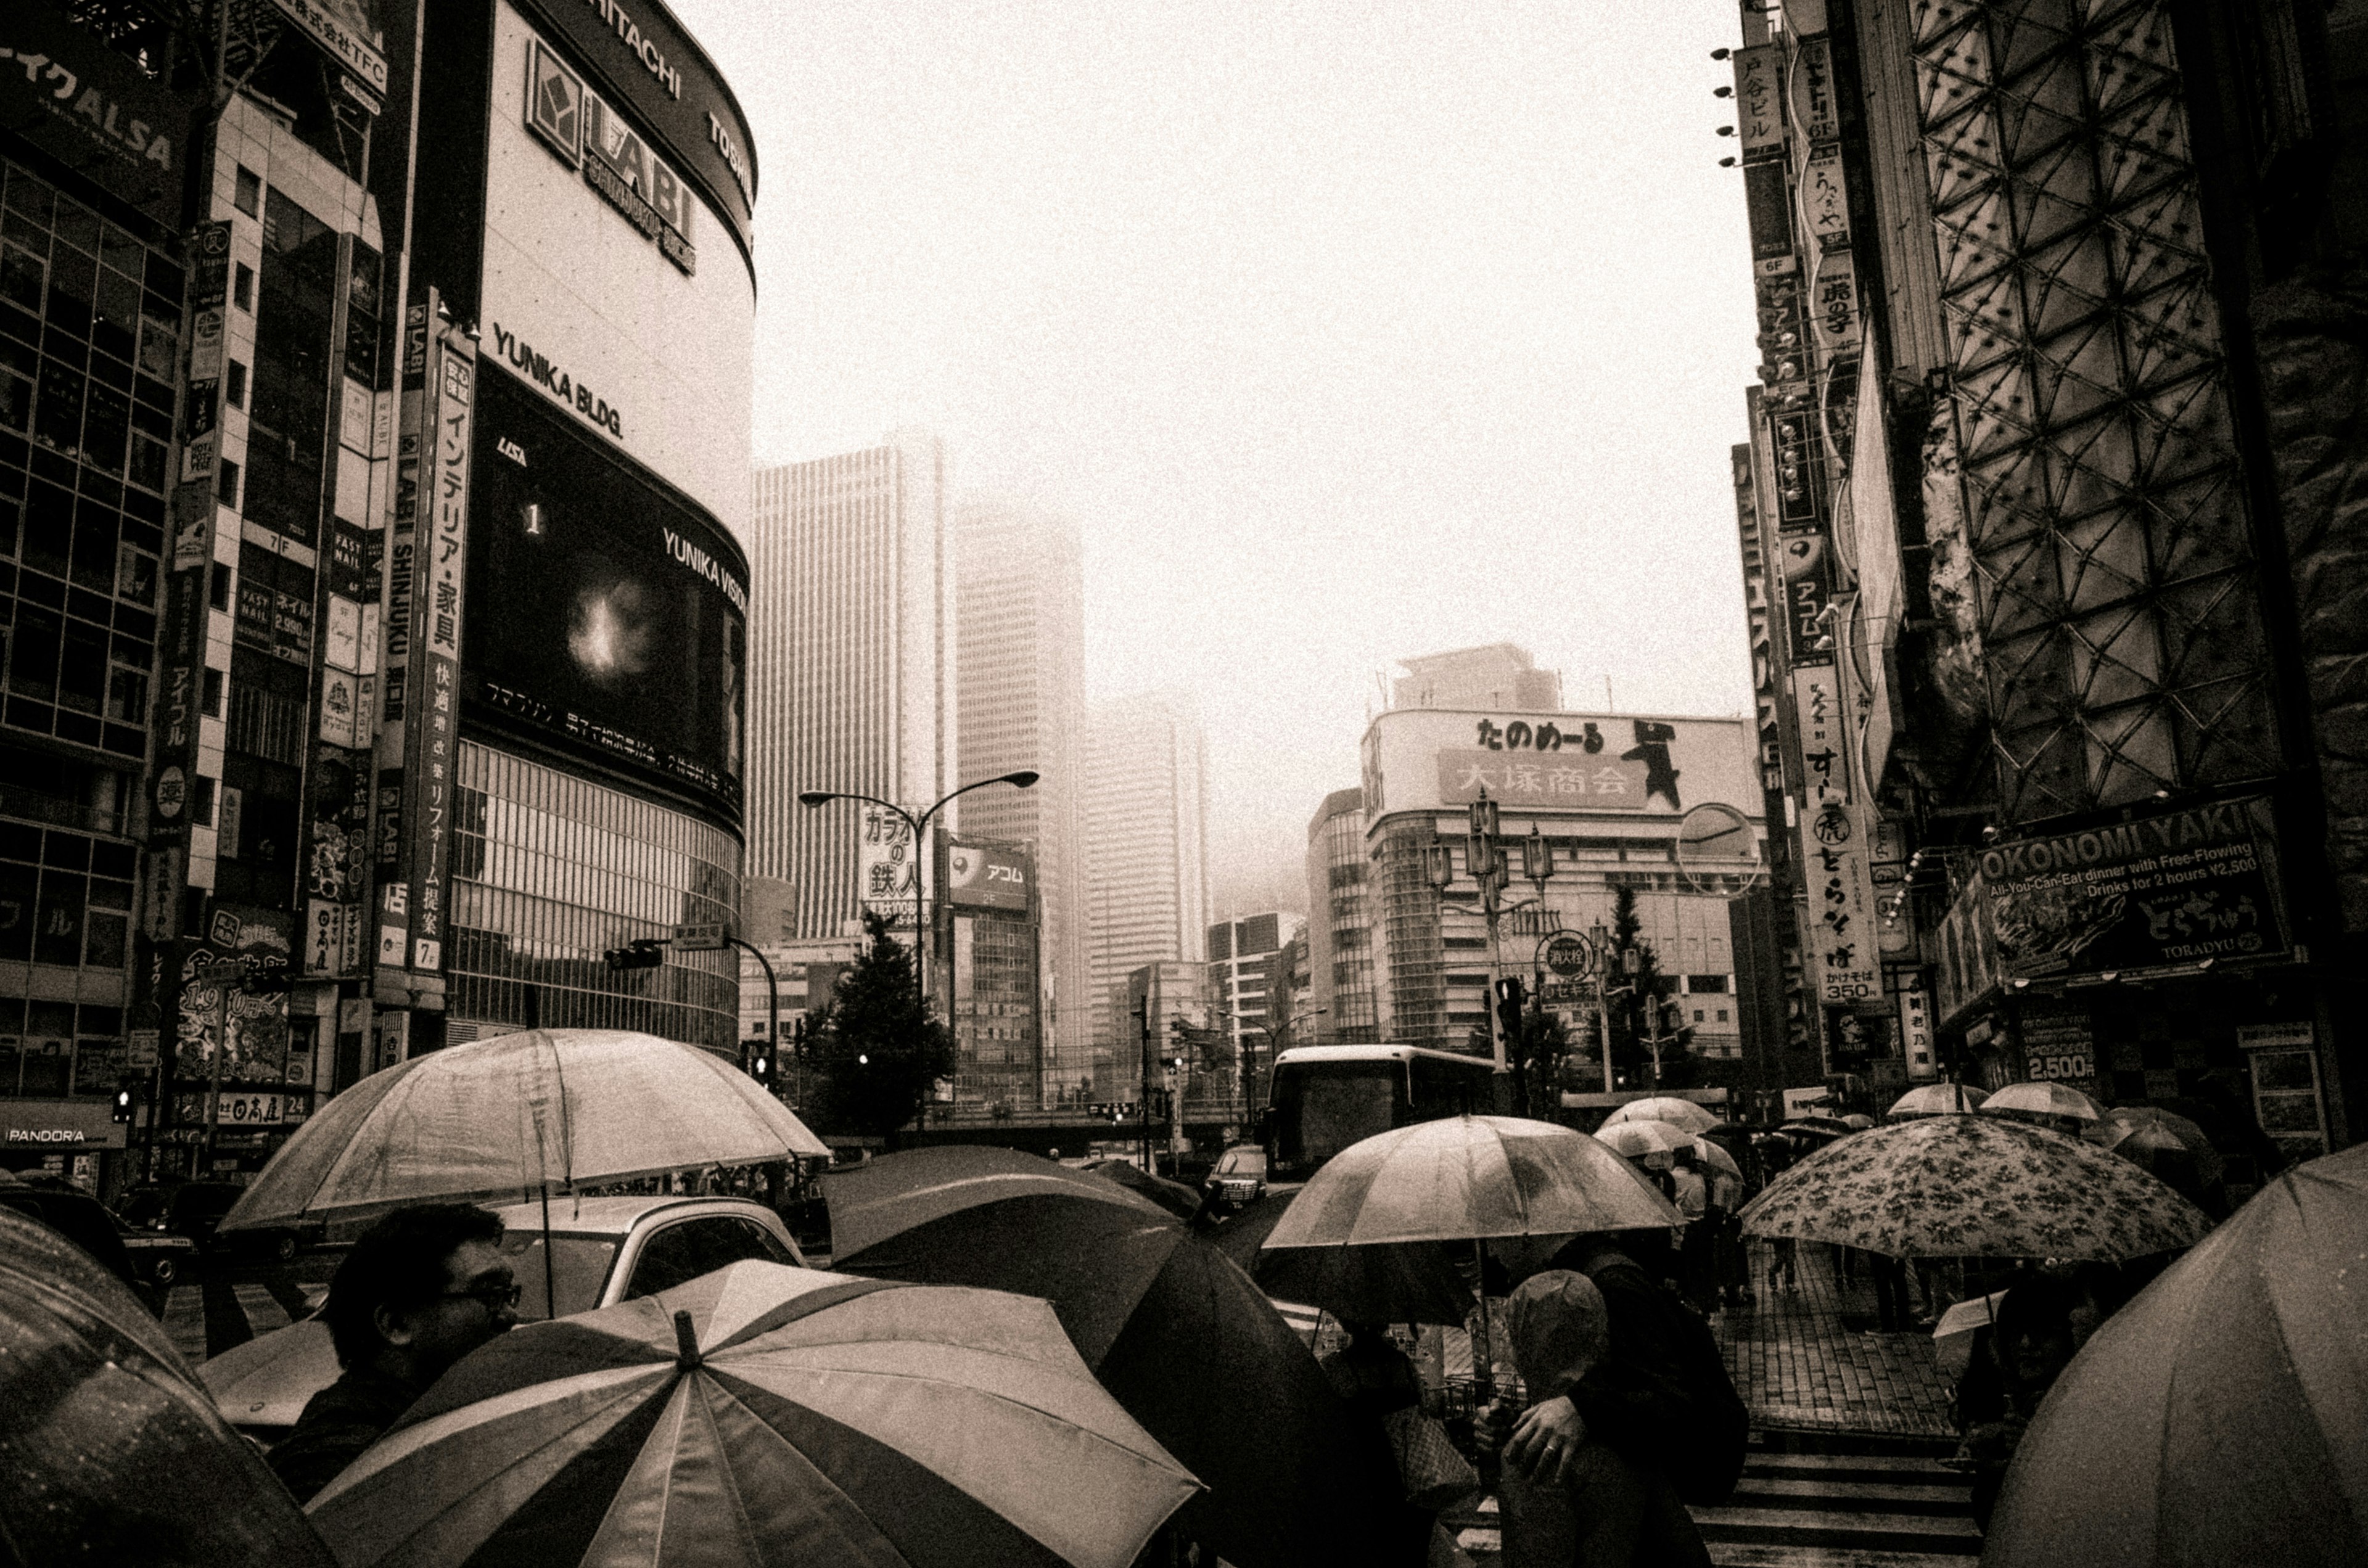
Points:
(1679, 1113)
(2217, 1418)
(762, 1414)
(110, 1452)
(510, 1115)
(1634, 1140)
(1470, 1177)
(2044, 1099)
(1820, 1125)
(2117, 1124)
(1953, 1337)
(1716, 1158)
(1858, 1121)
(1411, 1282)
(1173, 1195)
(1974, 1187)
(1938, 1100)
(1178, 1335)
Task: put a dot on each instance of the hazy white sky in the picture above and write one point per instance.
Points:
(1344, 331)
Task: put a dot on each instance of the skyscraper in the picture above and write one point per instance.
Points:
(1020, 639)
(1340, 921)
(1146, 837)
(851, 662)
(1497, 675)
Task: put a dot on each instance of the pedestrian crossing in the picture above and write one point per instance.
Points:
(1812, 1510)
(204, 1318)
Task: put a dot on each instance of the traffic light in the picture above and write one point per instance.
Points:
(642, 952)
(760, 1063)
(124, 1094)
(1510, 991)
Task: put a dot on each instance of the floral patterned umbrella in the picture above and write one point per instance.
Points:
(1969, 1185)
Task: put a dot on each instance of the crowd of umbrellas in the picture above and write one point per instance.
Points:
(1012, 1361)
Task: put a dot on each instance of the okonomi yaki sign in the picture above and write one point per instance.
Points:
(2168, 890)
(1430, 759)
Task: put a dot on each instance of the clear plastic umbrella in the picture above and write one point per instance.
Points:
(2044, 1099)
(1679, 1113)
(523, 1113)
(1634, 1140)
(1939, 1099)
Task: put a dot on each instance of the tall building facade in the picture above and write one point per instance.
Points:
(1146, 845)
(851, 673)
(987, 969)
(2045, 470)
(1020, 665)
(371, 485)
(1497, 675)
(1341, 923)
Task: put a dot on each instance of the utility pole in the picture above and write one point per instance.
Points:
(1142, 1029)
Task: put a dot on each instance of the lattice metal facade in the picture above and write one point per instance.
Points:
(2082, 476)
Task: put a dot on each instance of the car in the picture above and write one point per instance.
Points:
(603, 1251)
(75, 1215)
(158, 1256)
(195, 1210)
(1238, 1177)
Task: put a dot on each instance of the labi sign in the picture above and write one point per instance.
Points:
(578, 125)
(2175, 890)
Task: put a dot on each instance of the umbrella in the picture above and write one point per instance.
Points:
(1858, 1121)
(1974, 1187)
(1178, 1334)
(1677, 1112)
(1817, 1126)
(762, 1414)
(1938, 1100)
(2110, 1129)
(1713, 1155)
(110, 1451)
(1634, 1140)
(528, 1110)
(1953, 1337)
(1408, 1282)
(1470, 1177)
(1173, 1195)
(2217, 1418)
(2044, 1099)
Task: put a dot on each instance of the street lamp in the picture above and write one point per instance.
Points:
(1022, 779)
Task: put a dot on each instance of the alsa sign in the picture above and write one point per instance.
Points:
(72, 97)
(577, 124)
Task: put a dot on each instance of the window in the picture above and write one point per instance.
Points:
(242, 288)
(201, 802)
(226, 482)
(234, 385)
(210, 700)
(219, 589)
(247, 191)
(690, 1248)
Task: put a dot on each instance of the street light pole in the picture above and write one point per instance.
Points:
(1022, 779)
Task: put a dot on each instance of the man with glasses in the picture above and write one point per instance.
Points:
(421, 1289)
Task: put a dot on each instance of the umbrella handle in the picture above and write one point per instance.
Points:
(1484, 1381)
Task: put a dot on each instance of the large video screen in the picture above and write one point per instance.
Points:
(604, 611)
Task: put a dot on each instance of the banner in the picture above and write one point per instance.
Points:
(1840, 936)
(888, 868)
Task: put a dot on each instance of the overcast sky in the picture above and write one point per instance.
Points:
(1345, 332)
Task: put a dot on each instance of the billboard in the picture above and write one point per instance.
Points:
(988, 876)
(2173, 889)
(1419, 759)
(602, 291)
(62, 89)
(888, 868)
(605, 614)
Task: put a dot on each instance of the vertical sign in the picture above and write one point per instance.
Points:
(388, 851)
(888, 865)
(1839, 932)
(1813, 91)
(1758, 99)
(1825, 202)
(432, 751)
(1915, 1033)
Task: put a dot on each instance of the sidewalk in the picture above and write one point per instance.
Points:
(1804, 1360)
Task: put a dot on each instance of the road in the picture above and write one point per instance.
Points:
(219, 1302)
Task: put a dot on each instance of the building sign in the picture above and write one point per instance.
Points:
(578, 125)
(1421, 759)
(67, 93)
(1915, 1033)
(1967, 970)
(1841, 928)
(1758, 99)
(1825, 202)
(985, 876)
(348, 34)
(1768, 204)
(2058, 1047)
(2170, 889)
(888, 868)
(1813, 91)
(244, 1109)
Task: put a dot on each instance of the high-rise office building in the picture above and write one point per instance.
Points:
(1340, 922)
(1498, 676)
(850, 669)
(1146, 837)
(1020, 664)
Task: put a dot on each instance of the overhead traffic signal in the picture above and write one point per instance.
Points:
(1510, 996)
(642, 952)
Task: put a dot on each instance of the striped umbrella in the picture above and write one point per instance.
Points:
(765, 1415)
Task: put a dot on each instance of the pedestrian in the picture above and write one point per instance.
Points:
(1730, 1268)
(2015, 1361)
(1891, 1311)
(1661, 1397)
(1376, 1380)
(422, 1287)
(1690, 1193)
(1579, 1503)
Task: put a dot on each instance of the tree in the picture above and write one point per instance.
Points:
(879, 1053)
(1635, 999)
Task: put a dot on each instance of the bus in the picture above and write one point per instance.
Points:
(1324, 1097)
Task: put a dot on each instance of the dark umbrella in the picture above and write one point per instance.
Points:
(1178, 1335)
(1173, 1195)
(2218, 1419)
(110, 1452)
(1413, 1283)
